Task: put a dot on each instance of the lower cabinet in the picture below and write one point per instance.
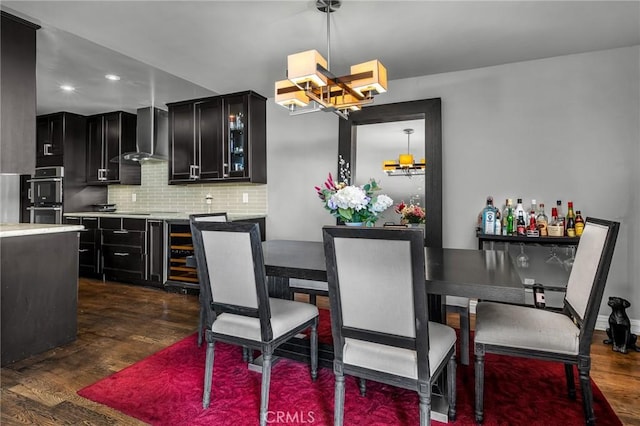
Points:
(122, 249)
(89, 249)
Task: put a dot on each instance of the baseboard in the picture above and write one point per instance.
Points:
(602, 323)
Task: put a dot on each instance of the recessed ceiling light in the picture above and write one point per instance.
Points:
(67, 88)
(112, 77)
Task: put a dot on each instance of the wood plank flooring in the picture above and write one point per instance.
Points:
(120, 324)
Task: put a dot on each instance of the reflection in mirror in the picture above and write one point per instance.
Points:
(381, 142)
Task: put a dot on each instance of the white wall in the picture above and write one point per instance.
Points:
(560, 128)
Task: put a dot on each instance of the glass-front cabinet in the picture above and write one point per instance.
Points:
(236, 113)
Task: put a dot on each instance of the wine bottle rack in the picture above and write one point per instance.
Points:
(181, 247)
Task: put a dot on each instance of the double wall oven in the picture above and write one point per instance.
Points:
(45, 195)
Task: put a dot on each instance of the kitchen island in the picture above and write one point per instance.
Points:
(38, 288)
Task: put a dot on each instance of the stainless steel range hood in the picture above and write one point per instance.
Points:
(152, 136)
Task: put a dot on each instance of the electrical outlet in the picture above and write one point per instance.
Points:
(134, 197)
(245, 197)
(208, 199)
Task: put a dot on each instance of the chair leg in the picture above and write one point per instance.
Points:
(362, 385)
(208, 376)
(312, 299)
(451, 387)
(425, 407)
(571, 384)
(479, 369)
(314, 350)
(465, 327)
(338, 412)
(200, 325)
(266, 381)
(584, 366)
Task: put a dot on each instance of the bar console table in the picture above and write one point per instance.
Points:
(548, 262)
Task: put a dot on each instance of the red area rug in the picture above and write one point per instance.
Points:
(166, 389)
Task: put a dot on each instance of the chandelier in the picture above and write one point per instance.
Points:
(404, 165)
(310, 85)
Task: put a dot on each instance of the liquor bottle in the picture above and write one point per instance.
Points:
(560, 215)
(534, 207)
(542, 221)
(519, 209)
(505, 214)
(571, 221)
(521, 226)
(579, 223)
(510, 220)
(489, 217)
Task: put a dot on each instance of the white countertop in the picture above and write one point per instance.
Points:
(160, 215)
(21, 229)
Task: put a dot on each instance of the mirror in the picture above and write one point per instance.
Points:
(382, 142)
(375, 134)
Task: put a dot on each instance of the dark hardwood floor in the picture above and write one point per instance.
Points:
(120, 324)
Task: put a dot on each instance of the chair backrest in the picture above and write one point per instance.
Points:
(377, 290)
(589, 275)
(209, 217)
(231, 269)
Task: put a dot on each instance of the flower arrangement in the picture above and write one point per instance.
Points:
(411, 213)
(353, 204)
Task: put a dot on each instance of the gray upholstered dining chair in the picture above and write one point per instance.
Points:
(206, 217)
(231, 269)
(565, 336)
(379, 314)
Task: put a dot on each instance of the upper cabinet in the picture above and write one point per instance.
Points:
(218, 139)
(56, 135)
(108, 137)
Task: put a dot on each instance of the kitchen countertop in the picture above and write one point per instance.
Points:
(157, 215)
(21, 229)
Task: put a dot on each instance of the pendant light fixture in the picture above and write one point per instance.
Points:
(311, 86)
(404, 165)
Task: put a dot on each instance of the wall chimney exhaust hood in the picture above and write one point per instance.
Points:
(152, 136)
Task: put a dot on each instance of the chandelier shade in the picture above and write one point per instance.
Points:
(302, 68)
(288, 94)
(377, 82)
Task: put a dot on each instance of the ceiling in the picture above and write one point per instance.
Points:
(174, 50)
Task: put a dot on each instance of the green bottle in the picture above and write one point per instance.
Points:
(510, 221)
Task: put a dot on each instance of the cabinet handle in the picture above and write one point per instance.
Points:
(120, 254)
(29, 194)
(83, 250)
(47, 149)
(124, 231)
(194, 171)
(90, 218)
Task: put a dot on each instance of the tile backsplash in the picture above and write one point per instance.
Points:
(155, 194)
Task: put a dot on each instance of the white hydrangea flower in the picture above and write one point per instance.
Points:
(350, 197)
(382, 203)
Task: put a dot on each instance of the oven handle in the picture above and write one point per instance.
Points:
(44, 208)
(45, 180)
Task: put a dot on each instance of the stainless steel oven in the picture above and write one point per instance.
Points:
(46, 195)
(46, 214)
(46, 185)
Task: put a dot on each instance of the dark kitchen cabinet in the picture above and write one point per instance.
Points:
(61, 140)
(124, 247)
(108, 137)
(156, 251)
(89, 250)
(218, 139)
(49, 140)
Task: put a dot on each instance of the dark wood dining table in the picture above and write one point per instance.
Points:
(480, 274)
